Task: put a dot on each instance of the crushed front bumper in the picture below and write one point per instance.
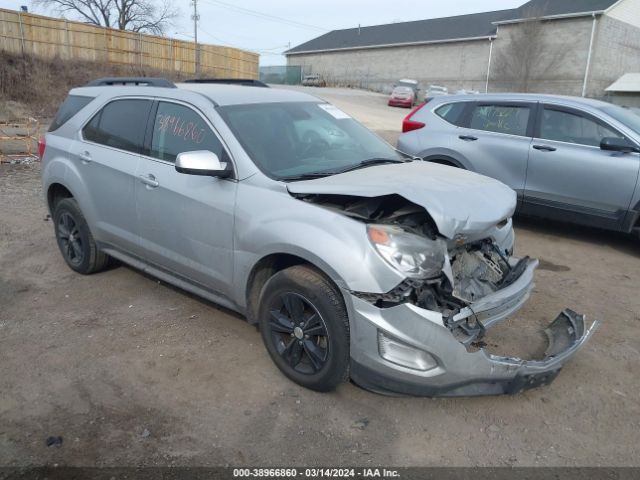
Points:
(502, 304)
(455, 371)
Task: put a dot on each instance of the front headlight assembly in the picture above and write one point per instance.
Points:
(413, 255)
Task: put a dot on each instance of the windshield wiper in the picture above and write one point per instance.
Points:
(373, 161)
(306, 176)
(365, 163)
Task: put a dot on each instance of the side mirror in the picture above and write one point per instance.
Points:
(202, 162)
(615, 144)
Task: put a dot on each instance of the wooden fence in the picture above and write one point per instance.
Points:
(58, 38)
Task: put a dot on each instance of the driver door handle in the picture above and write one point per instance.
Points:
(544, 148)
(149, 180)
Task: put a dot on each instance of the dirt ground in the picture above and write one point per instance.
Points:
(130, 371)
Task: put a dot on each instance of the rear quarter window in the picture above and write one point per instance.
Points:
(452, 112)
(72, 105)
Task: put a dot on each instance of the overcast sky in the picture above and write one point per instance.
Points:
(267, 26)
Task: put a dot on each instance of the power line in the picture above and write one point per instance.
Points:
(265, 16)
(217, 39)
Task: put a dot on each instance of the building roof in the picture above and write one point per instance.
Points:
(557, 8)
(463, 27)
(629, 83)
(478, 25)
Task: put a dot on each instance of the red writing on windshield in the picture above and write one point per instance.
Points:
(178, 127)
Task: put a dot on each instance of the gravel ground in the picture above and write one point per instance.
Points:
(129, 371)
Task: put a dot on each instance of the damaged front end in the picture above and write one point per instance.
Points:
(428, 330)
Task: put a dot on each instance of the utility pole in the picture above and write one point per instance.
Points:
(195, 18)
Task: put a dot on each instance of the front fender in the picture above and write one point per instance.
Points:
(334, 243)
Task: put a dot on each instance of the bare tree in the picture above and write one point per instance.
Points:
(526, 56)
(135, 15)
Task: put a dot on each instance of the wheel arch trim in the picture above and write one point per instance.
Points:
(445, 158)
(62, 173)
(268, 264)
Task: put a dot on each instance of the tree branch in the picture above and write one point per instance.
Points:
(134, 15)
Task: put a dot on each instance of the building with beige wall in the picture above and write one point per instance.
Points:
(570, 47)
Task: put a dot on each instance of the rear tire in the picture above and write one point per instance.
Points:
(75, 241)
(305, 327)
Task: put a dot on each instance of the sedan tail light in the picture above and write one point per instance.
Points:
(409, 125)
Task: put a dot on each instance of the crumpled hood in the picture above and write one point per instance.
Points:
(460, 202)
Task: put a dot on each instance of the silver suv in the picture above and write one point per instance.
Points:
(567, 158)
(355, 261)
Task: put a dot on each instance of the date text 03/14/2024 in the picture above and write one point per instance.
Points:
(315, 473)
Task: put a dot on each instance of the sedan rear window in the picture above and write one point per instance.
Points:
(72, 105)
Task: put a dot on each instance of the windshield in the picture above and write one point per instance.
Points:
(624, 115)
(402, 91)
(297, 139)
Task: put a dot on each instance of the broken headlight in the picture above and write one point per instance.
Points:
(414, 255)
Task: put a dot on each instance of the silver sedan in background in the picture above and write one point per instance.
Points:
(569, 159)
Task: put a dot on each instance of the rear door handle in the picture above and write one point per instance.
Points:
(544, 148)
(85, 157)
(468, 138)
(149, 180)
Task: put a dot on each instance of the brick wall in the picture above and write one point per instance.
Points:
(454, 65)
(616, 52)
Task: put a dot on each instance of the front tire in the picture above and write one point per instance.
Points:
(75, 240)
(305, 327)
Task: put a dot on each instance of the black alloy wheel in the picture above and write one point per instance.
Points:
(70, 240)
(305, 327)
(77, 245)
(299, 333)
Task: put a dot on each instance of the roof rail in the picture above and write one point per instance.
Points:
(247, 82)
(129, 81)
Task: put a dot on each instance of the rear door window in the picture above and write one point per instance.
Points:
(178, 129)
(509, 119)
(72, 105)
(120, 124)
(569, 127)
